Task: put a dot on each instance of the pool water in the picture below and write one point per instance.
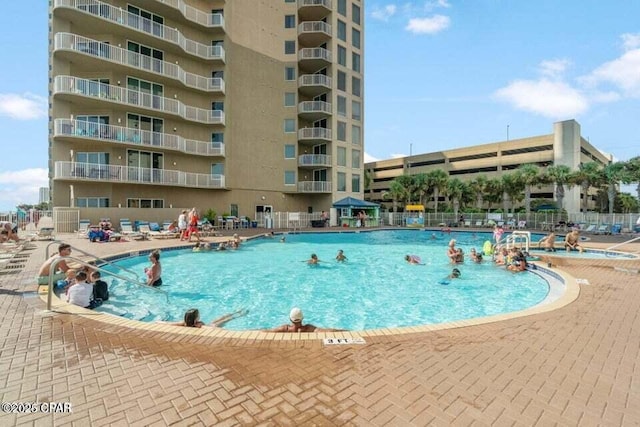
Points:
(374, 288)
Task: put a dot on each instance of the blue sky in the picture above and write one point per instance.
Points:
(438, 75)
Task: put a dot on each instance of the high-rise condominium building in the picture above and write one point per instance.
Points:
(240, 105)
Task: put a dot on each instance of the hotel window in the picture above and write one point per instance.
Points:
(91, 125)
(342, 106)
(145, 203)
(342, 156)
(289, 178)
(217, 169)
(342, 7)
(355, 13)
(342, 56)
(93, 158)
(355, 38)
(289, 47)
(342, 81)
(342, 131)
(289, 151)
(355, 183)
(290, 21)
(289, 1)
(155, 54)
(217, 106)
(289, 125)
(217, 137)
(289, 73)
(355, 86)
(342, 181)
(92, 202)
(289, 99)
(355, 159)
(356, 114)
(355, 62)
(356, 136)
(150, 23)
(342, 30)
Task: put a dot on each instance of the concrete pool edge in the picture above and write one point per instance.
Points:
(570, 294)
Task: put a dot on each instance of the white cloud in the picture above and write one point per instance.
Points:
(623, 72)
(431, 25)
(398, 155)
(384, 13)
(23, 107)
(21, 186)
(630, 41)
(553, 99)
(368, 158)
(554, 68)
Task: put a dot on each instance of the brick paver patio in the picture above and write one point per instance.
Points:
(574, 366)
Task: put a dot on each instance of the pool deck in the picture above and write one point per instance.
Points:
(577, 365)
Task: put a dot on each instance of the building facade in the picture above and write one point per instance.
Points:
(43, 195)
(239, 106)
(565, 146)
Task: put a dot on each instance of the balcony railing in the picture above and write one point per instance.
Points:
(136, 22)
(314, 80)
(209, 20)
(119, 95)
(314, 187)
(314, 160)
(135, 175)
(313, 9)
(314, 133)
(311, 27)
(308, 3)
(314, 107)
(118, 55)
(314, 53)
(123, 135)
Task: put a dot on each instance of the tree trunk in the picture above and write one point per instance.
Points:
(505, 202)
(436, 196)
(560, 196)
(611, 195)
(527, 201)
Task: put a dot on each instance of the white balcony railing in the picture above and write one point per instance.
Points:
(123, 135)
(314, 186)
(209, 20)
(316, 53)
(315, 80)
(136, 22)
(120, 95)
(118, 55)
(314, 160)
(311, 27)
(314, 133)
(135, 175)
(314, 107)
(307, 3)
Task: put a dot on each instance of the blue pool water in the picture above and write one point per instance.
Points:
(375, 288)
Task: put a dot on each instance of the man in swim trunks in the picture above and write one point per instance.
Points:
(45, 271)
(571, 241)
(296, 324)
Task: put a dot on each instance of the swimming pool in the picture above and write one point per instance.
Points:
(375, 288)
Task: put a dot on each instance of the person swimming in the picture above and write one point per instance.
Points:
(413, 259)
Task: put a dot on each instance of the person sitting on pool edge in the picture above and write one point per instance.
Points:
(571, 241)
(296, 324)
(548, 242)
(192, 319)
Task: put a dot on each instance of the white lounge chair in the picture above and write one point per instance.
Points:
(591, 228)
(522, 225)
(45, 228)
(146, 230)
(126, 229)
(83, 228)
(603, 229)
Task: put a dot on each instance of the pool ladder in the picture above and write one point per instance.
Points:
(517, 236)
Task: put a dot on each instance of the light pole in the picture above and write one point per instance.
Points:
(507, 133)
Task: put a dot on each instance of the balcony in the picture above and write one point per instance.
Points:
(314, 84)
(313, 10)
(314, 135)
(109, 13)
(106, 52)
(208, 20)
(314, 58)
(65, 128)
(314, 33)
(72, 171)
(314, 110)
(72, 87)
(314, 161)
(314, 187)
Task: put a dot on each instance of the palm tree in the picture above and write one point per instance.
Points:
(478, 186)
(633, 172)
(529, 175)
(588, 175)
(437, 180)
(396, 192)
(368, 180)
(628, 203)
(613, 174)
(493, 191)
(559, 175)
(421, 185)
(509, 182)
(455, 190)
(407, 182)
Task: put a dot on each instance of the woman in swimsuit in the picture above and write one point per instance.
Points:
(192, 319)
(155, 271)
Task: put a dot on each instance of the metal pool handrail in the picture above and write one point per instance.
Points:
(55, 263)
(617, 245)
